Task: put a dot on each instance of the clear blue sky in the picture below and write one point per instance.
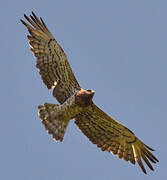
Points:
(119, 49)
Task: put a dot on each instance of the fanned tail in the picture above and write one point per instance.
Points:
(55, 125)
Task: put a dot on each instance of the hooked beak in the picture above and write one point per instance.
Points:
(92, 92)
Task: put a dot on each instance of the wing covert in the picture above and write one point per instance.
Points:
(112, 136)
(52, 62)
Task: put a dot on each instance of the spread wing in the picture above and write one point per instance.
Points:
(52, 62)
(111, 136)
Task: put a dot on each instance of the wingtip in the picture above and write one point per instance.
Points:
(42, 20)
(33, 13)
(152, 169)
(156, 159)
(150, 148)
(25, 16)
(23, 22)
(145, 172)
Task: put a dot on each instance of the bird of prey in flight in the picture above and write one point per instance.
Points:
(76, 103)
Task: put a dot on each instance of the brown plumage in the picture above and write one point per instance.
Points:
(76, 103)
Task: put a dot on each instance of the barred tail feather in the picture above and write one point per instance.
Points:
(54, 126)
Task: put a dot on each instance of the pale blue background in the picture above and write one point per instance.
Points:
(119, 49)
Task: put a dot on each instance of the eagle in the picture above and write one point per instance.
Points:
(77, 103)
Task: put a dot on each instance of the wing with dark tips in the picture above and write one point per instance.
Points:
(52, 62)
(112, 136)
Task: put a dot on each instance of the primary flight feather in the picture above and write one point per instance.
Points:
(76, 103)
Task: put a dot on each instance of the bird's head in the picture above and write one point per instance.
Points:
(84, 97)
